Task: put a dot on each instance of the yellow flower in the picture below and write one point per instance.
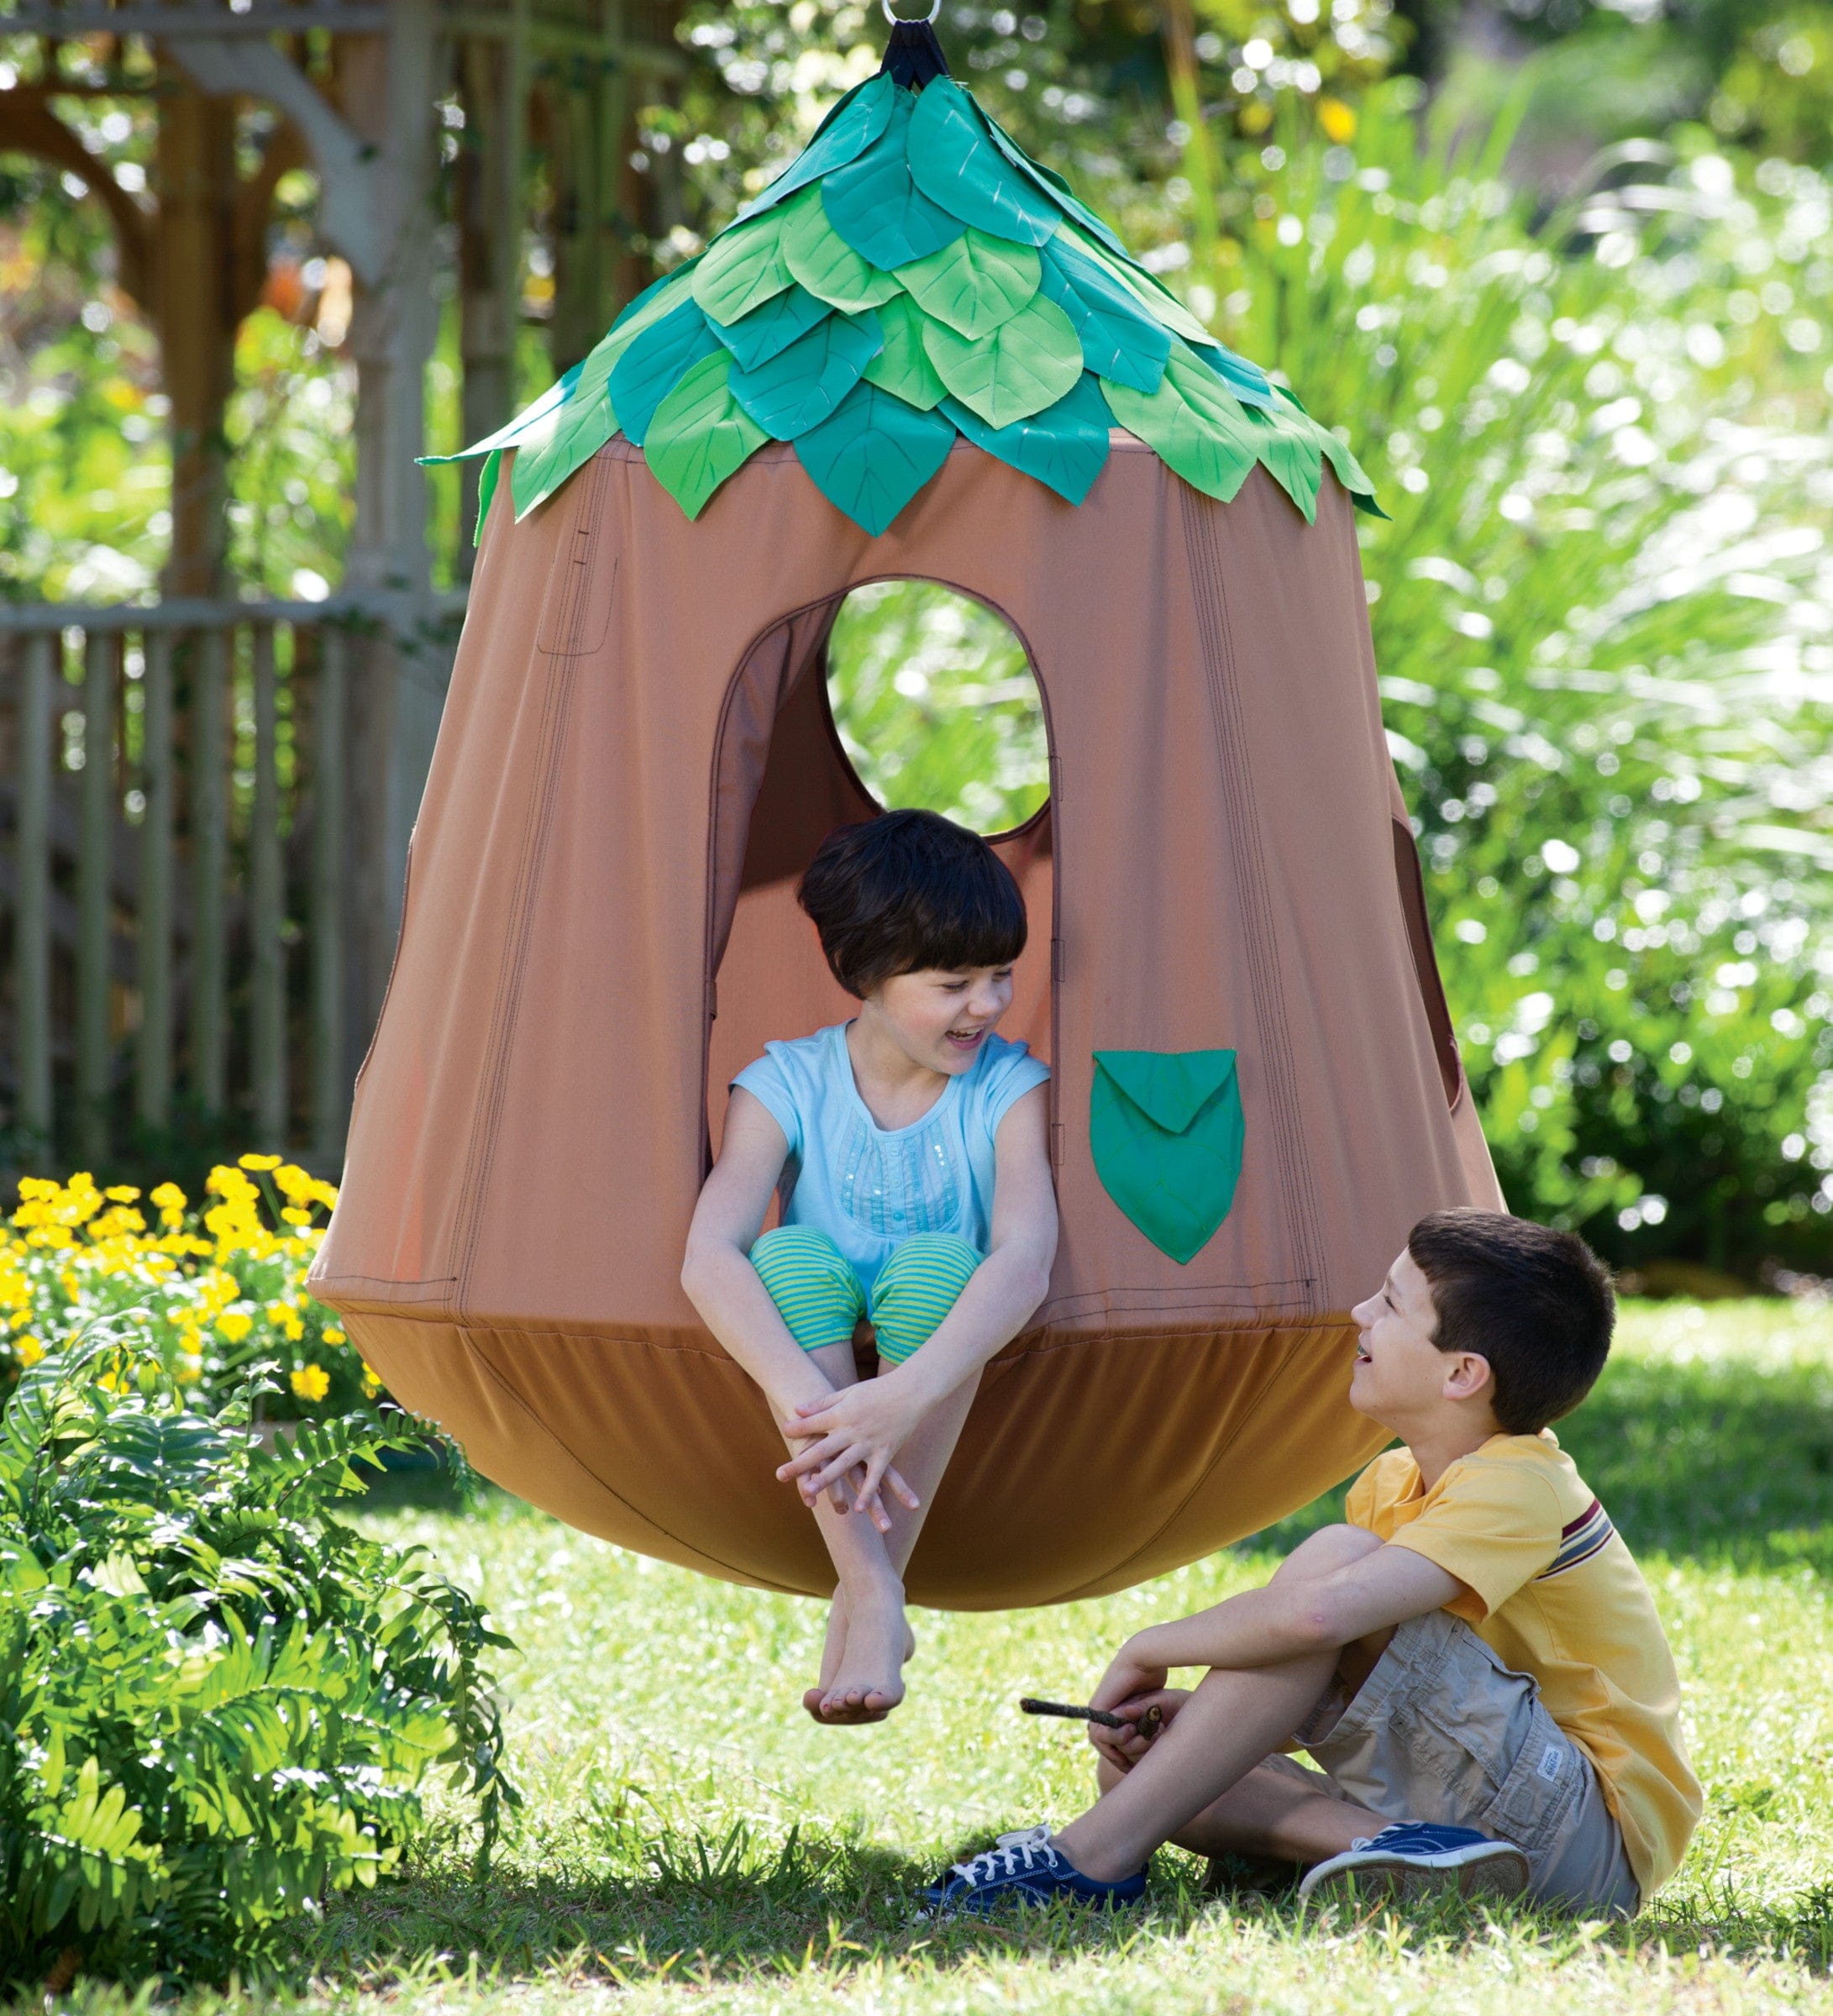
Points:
(30, 1350)
(234, 1324)
(1338, 119)
(188, 1370)
(258, 1162)
(311, 1382)
(332, 1335)
(372, 1379)
(168, 1197)
(294, 1215)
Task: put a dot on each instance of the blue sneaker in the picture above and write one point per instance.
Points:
(1024, 1868)
(1409, 1861)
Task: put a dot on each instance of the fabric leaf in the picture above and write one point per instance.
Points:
(903, 365)
(654, 364)
(742, 269)
(1065, 447)
(1026, 364)
(1053, 186)
(1194, 423)
(1350, 472)
(954, 161)
(1120, 338)
(853, 124)
(879, 210)
(486, 489)
(1166, 1133)
(802, 385)
(524, 423)
(1246, 381)
(871, 455)
(700, 434)
(974, 283)
(825, 265)
(756, 337)
(581, 428)
(1290, 450)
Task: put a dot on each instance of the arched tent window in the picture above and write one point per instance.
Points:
(937, 705)
(929, 699)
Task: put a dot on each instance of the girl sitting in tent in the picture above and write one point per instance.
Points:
(908, 1148)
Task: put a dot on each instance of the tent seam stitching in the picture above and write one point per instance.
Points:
(1219, 663)
(537, 823)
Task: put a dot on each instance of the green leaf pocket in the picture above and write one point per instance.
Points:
(1166, 1132)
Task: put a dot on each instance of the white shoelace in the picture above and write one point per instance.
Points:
(1031, 1843)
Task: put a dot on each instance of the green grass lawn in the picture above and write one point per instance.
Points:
(691, 1842)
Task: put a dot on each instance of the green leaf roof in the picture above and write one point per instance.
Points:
(911, 279)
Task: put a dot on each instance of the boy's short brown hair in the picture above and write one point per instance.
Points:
(1536, 1303)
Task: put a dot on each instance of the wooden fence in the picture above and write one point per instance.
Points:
(178, 782)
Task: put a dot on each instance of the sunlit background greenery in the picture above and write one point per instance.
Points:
(1565, 272)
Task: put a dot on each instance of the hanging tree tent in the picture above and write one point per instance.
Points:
(916, 355)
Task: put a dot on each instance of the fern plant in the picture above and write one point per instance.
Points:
(219, 1702)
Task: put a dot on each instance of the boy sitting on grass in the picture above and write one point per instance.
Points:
(1473, 1660)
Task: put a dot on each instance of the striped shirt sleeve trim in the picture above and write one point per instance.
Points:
(1579, 1539)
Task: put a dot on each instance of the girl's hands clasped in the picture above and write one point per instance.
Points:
(853, 1435)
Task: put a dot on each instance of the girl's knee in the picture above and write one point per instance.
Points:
(808, 1278)
(928, 1260)
(917, 1286)
(797, 1243)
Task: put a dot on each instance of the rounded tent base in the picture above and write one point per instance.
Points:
(1183, 1444)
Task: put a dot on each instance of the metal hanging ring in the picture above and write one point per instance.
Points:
(898, 20)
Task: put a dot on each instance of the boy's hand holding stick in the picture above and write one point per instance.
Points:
(1123, 1733)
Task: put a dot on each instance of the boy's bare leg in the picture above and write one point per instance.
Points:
(868, 1602)
(1220, 1737)
(1226, 1728)
(1272, 1814)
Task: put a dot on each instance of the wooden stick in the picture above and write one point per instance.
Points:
(1147, 1725)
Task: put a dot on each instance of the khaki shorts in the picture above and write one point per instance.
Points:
(1443, 1732)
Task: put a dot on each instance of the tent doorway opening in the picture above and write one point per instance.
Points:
(938, 706)
(899, 694)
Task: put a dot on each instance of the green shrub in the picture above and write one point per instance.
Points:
(1600, 619)
(218, 1702)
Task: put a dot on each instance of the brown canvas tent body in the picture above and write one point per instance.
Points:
(637, 760)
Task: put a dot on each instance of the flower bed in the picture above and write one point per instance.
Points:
(215, 1287)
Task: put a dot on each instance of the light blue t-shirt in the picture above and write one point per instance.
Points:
(870, 1188)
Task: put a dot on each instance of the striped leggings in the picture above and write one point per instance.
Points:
(821, 1299)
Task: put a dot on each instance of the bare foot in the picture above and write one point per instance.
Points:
(870, 1683)
(832, 1652)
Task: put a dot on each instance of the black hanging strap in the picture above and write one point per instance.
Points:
(913, 56)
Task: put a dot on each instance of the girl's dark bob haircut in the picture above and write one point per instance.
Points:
(906, 892)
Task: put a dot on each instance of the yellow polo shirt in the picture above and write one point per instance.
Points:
(1556, 1593)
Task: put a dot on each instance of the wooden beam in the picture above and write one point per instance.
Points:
(209, 865)
(199, 612)
(153, 1057)
(194, 171)
(94, 907)
(330, 1086)
(32, 918)
(264, 910)
(27, 125)
(163, 23)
